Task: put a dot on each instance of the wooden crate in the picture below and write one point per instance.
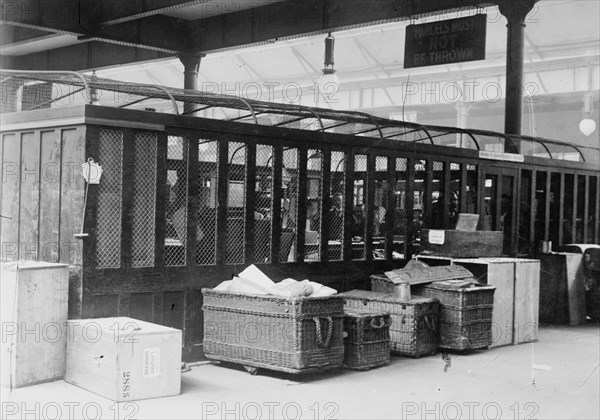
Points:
(34, 298)
(124, 359)
(527, 300)
(414, 329)
(462, 244)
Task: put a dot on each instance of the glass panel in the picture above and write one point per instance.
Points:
(236, 203)
(314, 187)
(437, 197)
(108, 227)
(177, 188)
(144, 200)
(336, 211)
(591, 221)
(380, 207)
(289, 205)
(206, 232)
(359, 209)
(264, 204)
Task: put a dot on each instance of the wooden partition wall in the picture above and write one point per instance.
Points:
(185, 203)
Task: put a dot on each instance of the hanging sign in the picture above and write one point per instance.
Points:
(508, 157)
(445, 42)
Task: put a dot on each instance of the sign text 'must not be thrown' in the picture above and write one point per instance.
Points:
(445, 42)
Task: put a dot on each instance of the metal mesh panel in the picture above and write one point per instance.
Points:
(336, 212)
(264, 203)
(236, 203)
(380, 206)
(437, 198)
(400, 190)
(314, 186)
(144, 200)
(108, 225)
(289, 207)
(206, 232)
(455, 191)
(471, 190)
(177, 216)
(359, 213)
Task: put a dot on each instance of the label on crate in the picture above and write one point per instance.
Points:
(437, 237)
(151, 362)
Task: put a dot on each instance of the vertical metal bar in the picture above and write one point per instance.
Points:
(348, 208)
(250, 203)
(222, 180)
(325, 205)
(515, 210)
(276, 205)
(302, 173)
(192, 204)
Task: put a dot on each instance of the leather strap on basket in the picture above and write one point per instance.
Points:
(324, 343)
(429, 322)
(382, 323)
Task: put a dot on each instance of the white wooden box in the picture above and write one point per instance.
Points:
(34, 307)
(527, 300)
(124, 359)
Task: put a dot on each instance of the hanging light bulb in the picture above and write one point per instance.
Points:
(587, 125)
(329, 82)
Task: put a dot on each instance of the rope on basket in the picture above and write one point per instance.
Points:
(382, 323)
(324, 343)
(430, 323)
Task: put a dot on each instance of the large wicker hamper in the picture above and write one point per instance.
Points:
(294, 335)
(367, 339)
(414, 326)
(465, 313)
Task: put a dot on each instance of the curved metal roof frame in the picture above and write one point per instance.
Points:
(208, 100)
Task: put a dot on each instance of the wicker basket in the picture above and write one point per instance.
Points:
(294, 335)
(465, 313)
(413, 331)
(367, 341)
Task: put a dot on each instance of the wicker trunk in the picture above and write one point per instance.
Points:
(293, 335)
(367, 341)
(465, 313)
(413, 331)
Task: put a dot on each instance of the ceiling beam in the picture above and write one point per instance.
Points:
(294, 18)
(83, 56)
(84, 19)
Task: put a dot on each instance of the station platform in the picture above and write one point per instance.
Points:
(554, 378)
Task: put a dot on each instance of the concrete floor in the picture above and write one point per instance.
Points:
(555, 378)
